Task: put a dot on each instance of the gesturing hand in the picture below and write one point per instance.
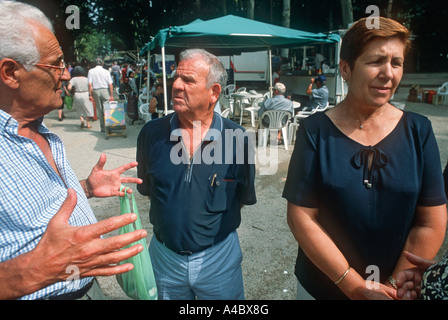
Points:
(106, 183)
(63, 245)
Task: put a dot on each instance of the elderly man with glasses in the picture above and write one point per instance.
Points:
(50, 242)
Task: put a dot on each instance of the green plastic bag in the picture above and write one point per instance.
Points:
(68, 101)
(139, 283)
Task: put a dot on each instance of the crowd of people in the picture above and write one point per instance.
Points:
(91, 84)
(364, 185)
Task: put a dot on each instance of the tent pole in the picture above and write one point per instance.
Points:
(148, 76)
(304, 58)
(270, 72)
(339, 90)
(164, 81)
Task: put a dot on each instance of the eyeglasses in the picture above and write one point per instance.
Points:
(61, 68)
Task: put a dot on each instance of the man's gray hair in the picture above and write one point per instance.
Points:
(217, 73)
(16, 38)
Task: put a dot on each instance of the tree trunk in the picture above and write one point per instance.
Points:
(347, 13)
(286, 16)
(224, 7)
(389, 9)
(250, 9)
(286, 21)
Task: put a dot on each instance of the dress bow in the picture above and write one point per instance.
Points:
(361, 160)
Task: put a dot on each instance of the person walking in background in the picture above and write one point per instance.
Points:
(100, 88)
(364, 182)
(116, 72)
(51, 245)
(81, 101)
(64, 93)
(196, 194)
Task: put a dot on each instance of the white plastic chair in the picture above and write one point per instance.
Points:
(323, 109)
(225, 113)
(144, 112)
(293, 125)
(142, 98)
(442, 92)
(252, 108)
(304, 113)
(295, 122)
(266, 95)
(276, 122)
(228, 90)
(227, 96)
(121, 96)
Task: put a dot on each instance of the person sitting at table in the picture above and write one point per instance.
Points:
(319, 96)
(277, 102)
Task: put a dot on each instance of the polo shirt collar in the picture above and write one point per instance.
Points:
(216, 125)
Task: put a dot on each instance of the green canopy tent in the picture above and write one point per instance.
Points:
(231, 35)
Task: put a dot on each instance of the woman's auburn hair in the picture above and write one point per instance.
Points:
(359, 35)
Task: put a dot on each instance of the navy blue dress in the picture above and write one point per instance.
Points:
(367, 212)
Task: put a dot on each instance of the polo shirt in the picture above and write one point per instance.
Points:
(195, 202)
(319, 98)
(31, 193)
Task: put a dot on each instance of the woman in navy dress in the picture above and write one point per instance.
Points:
(365, 180)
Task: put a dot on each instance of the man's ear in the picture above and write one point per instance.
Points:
(9, 73)
(215, 92)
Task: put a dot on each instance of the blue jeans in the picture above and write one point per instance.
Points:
(116, 78)
(212, 274)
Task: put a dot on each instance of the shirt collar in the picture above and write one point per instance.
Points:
(7, 121)
(215, 127)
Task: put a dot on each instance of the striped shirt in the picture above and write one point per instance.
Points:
(31, 193)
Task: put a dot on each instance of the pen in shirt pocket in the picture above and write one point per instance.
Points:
(215, 176)
(213, 180)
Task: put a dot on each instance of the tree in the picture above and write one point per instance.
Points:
(389, 9)
(347, 12)
(129, 24)
(250, 9)
(286, 21)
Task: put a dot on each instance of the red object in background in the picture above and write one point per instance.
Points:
(430, 96)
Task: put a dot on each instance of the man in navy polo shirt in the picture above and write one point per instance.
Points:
(198, 170)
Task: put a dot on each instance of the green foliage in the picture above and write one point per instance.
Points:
(108, 26)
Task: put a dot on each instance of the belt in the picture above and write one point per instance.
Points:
(74, 295)
(180, 252)
(81, 91)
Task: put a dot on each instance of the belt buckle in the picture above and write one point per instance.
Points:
(185, 253)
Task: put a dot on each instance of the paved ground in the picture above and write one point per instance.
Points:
(268, 246)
